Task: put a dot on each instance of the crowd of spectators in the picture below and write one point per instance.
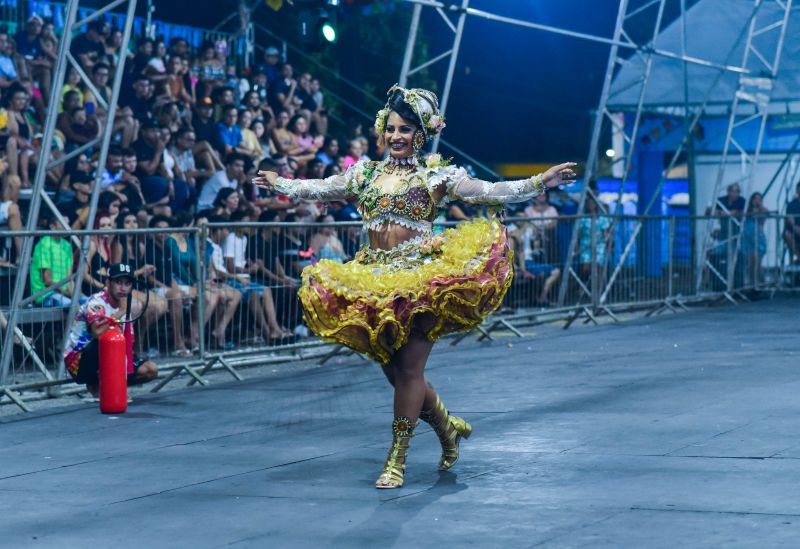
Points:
(189, 133)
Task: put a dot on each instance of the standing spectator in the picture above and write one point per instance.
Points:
(791, 230)
(731, 205)
(543, 217)
(230, 177)
(587, 254)
(81, 351)
(89, 47)
(12, 218)
(51, 263)
(754, 240)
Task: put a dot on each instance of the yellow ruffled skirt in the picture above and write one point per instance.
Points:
(370, 303)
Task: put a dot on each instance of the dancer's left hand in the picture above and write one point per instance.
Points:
(562, 174)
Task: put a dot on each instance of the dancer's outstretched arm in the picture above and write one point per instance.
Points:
(460, 186)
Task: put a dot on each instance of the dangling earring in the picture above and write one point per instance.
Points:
(419, 140)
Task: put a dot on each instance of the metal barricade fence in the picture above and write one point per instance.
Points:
(218, 292)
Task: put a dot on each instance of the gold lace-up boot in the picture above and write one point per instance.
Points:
(395, 466)
(449, 429)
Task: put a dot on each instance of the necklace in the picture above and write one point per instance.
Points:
(406, 164)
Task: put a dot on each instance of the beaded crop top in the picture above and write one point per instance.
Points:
(412, 203)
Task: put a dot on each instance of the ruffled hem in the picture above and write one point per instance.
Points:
(371, 307)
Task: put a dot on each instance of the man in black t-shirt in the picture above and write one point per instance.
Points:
(142, 103)
(88, 48)
(730, 205)
(791, 230)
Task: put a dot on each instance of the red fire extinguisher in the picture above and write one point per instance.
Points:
(113, 371)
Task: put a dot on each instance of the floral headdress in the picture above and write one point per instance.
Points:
(425, 105)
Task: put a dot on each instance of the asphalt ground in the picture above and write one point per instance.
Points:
(676, 430)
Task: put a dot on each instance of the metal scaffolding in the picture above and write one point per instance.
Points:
(45, 163)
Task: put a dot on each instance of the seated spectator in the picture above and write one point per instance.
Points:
(29, 46)
(124, 122)
(203, 120)
(209, 69)
(78, 126)
(315, 169)
(10, 217)
(791, 230)
(98, 258)
(326, 243)
(20, 132)
(183, 193)
(228, 137)
(257, 297)
(544, 219)
(183, 143)
(223, 98)
(77, 209)
(130, 249)
(249, 146)
(123, 184)
(226, 203)
(109, 203)
(533, 265)
(285, 141)
(257, 107)
(51, 263)
(143, 55)
(270, 67)
(284, 91)
(142, 103)
(162, 283)
(149, 149)
(229, 297)
(156, 68)
(112, 45)
(71, 92)
(176, 87)
(168, 116)
(89, 47)
(183, 255)
(8, 71)
(262, 137)
(81, 352)
(231, 177)
(354, 153)
(307, 144)
(48, 46)
(330, 151)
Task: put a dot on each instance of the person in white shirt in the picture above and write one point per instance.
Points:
(257, 297)
(227, 178)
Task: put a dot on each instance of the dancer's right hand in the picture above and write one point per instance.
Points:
(265, 180)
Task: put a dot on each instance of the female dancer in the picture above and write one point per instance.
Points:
(407, 287)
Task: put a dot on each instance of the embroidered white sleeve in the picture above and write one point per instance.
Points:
(458, 185)
(335, 187)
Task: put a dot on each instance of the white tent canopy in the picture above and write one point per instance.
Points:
(715, 32)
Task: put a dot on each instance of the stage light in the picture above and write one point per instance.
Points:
(611, 153)
(328, 31)
(317, 28)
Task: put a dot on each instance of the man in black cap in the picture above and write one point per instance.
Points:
(98, 314)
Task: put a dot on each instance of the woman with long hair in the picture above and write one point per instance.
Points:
(408, 287)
